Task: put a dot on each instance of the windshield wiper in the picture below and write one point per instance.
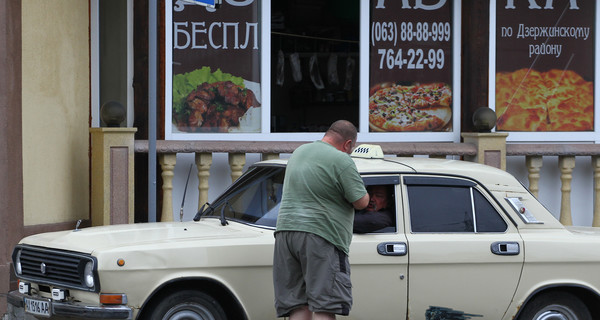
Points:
(200, 212)
(223, 220)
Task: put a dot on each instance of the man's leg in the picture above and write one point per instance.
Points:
(324, 316)
(301, 313)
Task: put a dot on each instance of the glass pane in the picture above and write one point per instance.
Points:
(216, 68)
(545, 82)
(488, 219)
(314, 64)
(440, 209)
(410, 67)
(254, 199)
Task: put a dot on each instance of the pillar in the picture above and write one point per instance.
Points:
(491, 148)
(112, 175)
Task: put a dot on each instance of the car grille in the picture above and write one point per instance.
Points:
(56, 267)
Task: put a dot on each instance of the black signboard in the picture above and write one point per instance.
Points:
(410, 65)
(216, 67)
(545, 65)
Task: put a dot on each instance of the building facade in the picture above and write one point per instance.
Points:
(296, 65)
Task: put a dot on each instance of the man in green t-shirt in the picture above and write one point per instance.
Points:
(321, 189)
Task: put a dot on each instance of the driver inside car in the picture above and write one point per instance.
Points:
(378, 214)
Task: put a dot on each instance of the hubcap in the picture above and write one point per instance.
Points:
(555, 312)
(189, 311)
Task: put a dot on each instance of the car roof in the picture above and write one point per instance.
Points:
(420, 165)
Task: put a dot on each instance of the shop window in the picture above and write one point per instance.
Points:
(314, 64)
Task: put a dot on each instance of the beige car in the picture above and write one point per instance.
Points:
(468, 242)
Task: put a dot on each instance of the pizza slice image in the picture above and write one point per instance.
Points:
(418, 107)
(556, 100)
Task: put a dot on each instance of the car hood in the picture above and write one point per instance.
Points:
(89, 240)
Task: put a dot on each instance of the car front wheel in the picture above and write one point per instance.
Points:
(555, 306)
(188, 304)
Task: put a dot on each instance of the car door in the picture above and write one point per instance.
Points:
(465, 254)
(379, 264)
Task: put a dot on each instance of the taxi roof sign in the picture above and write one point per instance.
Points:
(368, 151)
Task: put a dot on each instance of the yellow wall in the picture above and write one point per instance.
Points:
(56, 112)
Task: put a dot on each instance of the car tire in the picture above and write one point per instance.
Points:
(555, 305)
(188, 304)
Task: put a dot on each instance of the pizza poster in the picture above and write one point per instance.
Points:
(545, 65)
(216, 67)
(410, 76)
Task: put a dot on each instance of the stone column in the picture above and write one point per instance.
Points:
(112, 175)
(236, 162)
(534, 166)
(596, 167)
(203, 163)
(270, 156)
(491, 148)
(566, 164)
(167, 165)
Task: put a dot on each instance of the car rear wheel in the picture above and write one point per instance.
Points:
(555, 306)
(188, 304)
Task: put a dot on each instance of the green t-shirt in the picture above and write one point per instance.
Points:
(320, 185)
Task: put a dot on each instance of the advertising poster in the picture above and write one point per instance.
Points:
(216, 68)
(410, 66)
(545, 65)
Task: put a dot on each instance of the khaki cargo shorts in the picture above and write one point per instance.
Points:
(309, 270)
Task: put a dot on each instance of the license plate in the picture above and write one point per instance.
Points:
(37, 307)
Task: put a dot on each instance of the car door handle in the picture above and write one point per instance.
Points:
(392, 248)
(506, 248)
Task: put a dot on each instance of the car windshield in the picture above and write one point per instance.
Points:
(254, 198)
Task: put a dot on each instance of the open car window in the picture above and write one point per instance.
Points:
(380, 215)
(254, 198)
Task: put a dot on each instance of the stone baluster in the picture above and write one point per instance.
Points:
(236, 163)
(203, 163)
(270, 156)
(167, 165)
(534, 165)
(596, 167)
(566, 165)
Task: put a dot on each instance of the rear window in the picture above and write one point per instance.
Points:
(450, 205)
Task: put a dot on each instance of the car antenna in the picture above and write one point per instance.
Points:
(184, 192)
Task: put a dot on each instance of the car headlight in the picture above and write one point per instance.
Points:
(18, 266)
(88, 274)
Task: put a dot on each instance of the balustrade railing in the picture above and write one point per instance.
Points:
(473, 149)
(203, 150)
(566, 154)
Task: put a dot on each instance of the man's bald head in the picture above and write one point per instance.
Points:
(342, 135)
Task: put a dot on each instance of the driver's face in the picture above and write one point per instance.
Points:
(379, 198)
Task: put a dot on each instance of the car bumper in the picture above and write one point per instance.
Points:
(70, 309)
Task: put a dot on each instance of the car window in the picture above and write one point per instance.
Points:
(380, 215)
(255, 198)
(444, 206)
(488, 219)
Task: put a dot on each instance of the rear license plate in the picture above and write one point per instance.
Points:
(37, 307)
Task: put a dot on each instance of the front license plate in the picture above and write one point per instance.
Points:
(37, 307)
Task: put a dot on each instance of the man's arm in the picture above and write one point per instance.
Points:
(361, 203)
